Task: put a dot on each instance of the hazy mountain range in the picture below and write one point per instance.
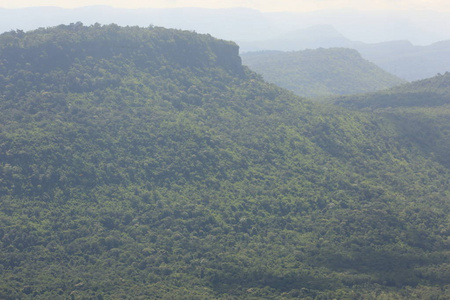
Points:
(400, 58)
(386, 38)
(243, 24)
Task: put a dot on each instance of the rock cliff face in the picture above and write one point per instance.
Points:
(228, 56)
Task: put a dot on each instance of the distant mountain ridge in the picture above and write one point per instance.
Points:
(320, 72)
(318, 36)
(401, 58)
(371, 33)
(408, 61)
(244, 24)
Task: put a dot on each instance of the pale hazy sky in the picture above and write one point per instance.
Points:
(263, 5)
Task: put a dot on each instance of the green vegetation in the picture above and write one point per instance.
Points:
(320, 72)
(148, 163)
(420, 110)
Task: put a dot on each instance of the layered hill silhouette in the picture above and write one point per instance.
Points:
(320, 72)
(399, 57)
(241, 24)
(149, 163)
(408, 61)
(409, 44)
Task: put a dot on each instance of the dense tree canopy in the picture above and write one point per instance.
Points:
(140, 163)
(420, 110)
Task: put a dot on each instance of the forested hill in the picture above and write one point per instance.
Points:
(64, 49)
(145, 163)
(431, 92)
(421, 110)
(320, 72)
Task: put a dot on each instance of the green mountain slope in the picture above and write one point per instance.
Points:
(431, 92)
(421, 110)
(148, 163)
(320, 72)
